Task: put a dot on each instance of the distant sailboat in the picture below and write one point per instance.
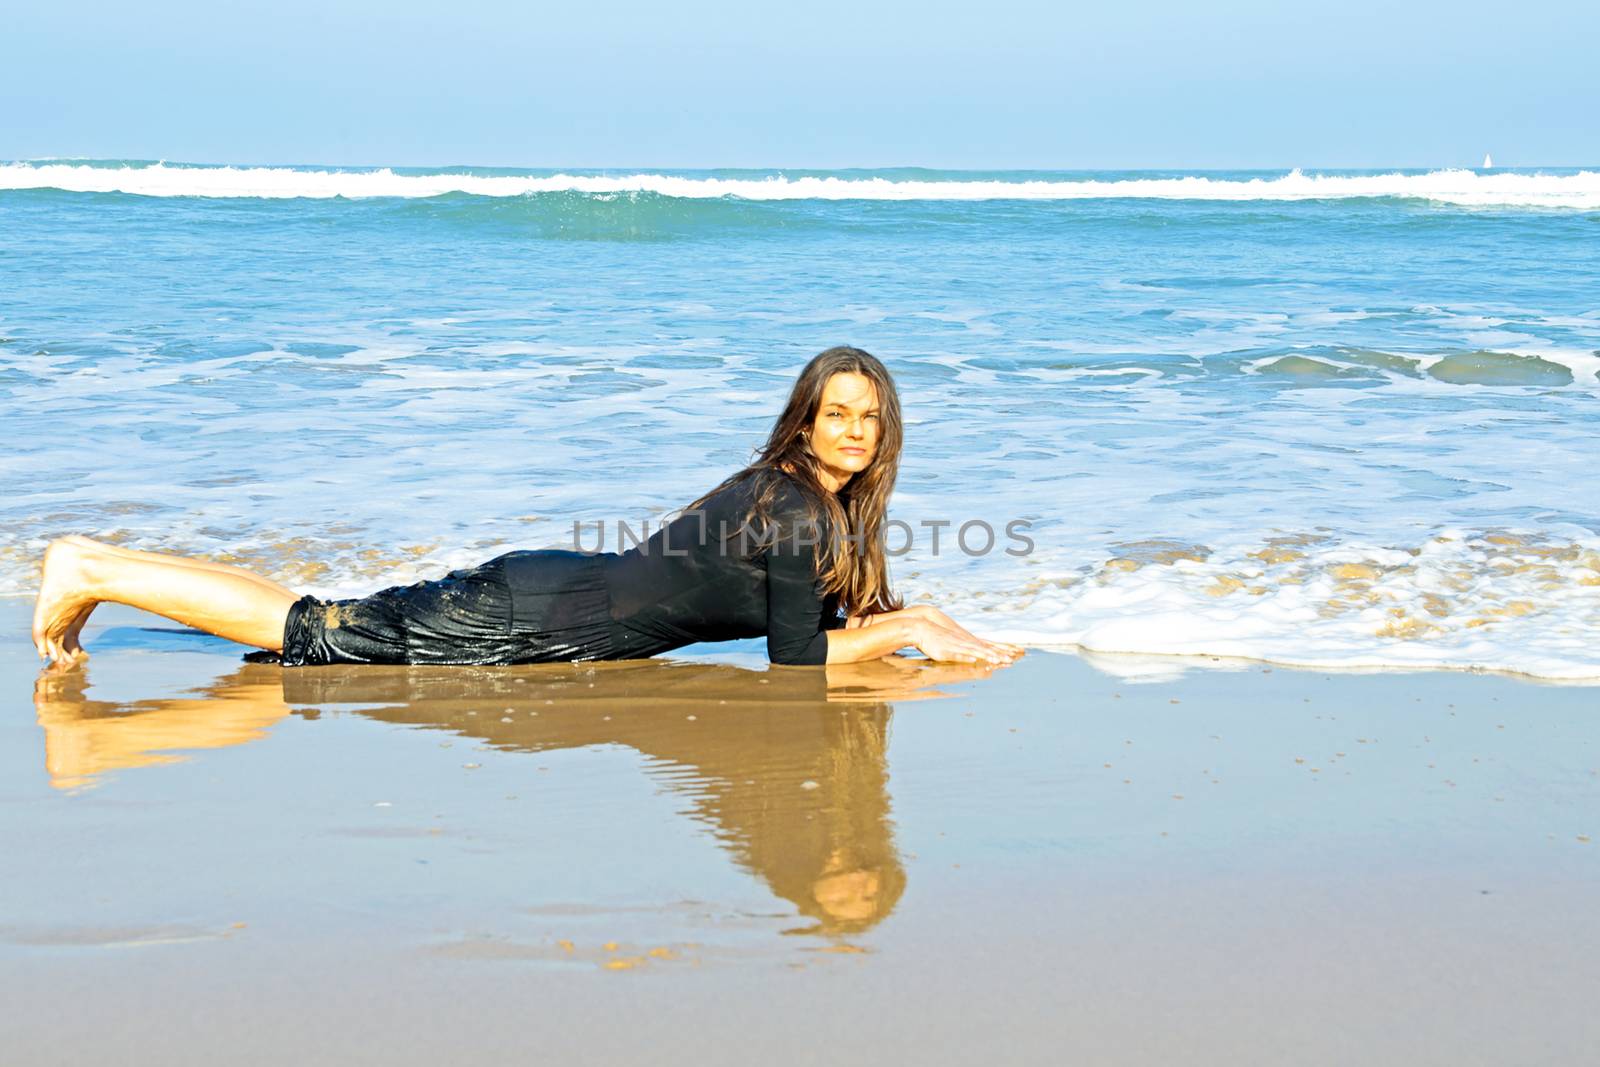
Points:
(1488, 161)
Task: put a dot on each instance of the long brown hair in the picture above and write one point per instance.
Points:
(852, 566)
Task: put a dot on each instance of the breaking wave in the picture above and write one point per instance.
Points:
(1574, 190)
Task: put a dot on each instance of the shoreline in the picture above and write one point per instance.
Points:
(413, 863)
(1133, 666)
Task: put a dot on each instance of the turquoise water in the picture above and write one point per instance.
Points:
(1338, 419)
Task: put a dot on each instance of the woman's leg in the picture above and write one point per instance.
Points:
(80, 574)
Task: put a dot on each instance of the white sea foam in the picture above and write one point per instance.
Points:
(1488, 600)
(1579, 190)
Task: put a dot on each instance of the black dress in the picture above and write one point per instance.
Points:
(701, 577)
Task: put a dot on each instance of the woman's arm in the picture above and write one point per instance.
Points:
(890, 631)
(796, 633)
(853, 643)
(923, 611)
(914, 611)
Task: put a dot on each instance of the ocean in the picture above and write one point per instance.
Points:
(1331, 419)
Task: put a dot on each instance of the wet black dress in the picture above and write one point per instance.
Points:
(698, 578)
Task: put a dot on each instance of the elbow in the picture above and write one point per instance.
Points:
(812, 652)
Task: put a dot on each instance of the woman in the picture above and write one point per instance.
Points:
(789, 547)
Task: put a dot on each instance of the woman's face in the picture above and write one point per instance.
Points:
(844, 435)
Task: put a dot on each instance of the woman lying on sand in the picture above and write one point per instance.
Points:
(788, 548)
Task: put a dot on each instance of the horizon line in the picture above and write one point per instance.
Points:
(656, 167)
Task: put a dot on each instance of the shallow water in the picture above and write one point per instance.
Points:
(699, 862)
(1352, 412)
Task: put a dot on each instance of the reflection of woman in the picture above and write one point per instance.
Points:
(793, 785)
(790, 548)
(791, 779)
(85, 738)
(832, 856)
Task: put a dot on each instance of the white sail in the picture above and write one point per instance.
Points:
(1488, 161)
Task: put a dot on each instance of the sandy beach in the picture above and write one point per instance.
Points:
(704, 861)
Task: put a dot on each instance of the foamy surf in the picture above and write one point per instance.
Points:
(1500, 601)
(1459, 187)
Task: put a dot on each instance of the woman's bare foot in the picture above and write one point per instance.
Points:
(64, 603)
(216, 598)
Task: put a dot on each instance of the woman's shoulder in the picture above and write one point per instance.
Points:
(797, 505)
(767, 497)
(789, 493)
(777, 487)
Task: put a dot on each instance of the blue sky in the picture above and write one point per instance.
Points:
(825, 84)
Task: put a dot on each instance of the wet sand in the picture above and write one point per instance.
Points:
(706, 862)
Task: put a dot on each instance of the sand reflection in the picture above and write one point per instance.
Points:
(786, 768)
(85, 738)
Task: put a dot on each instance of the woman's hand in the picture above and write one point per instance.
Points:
(953, 644)
(927, 613)
(866, 637)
